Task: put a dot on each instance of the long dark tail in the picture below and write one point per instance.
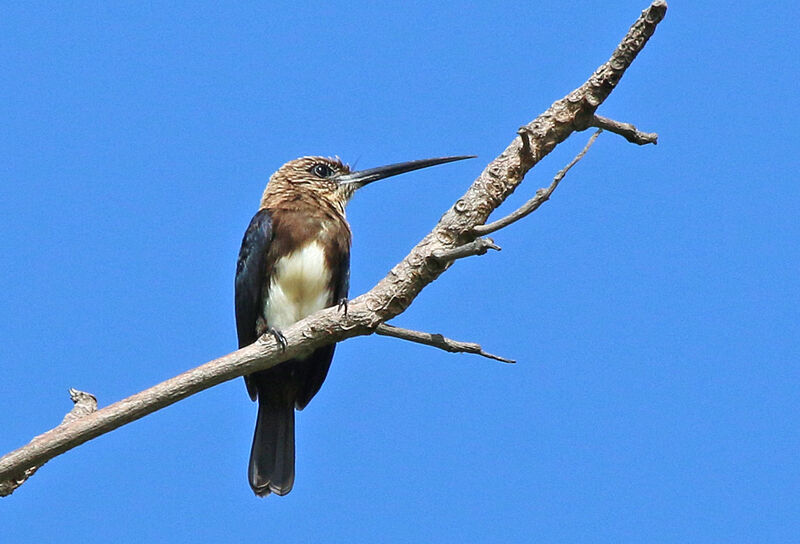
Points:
(272, 455)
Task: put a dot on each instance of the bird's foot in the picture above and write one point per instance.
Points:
(279, 337)
(342, 305)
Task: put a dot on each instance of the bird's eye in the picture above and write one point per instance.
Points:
(322, 170)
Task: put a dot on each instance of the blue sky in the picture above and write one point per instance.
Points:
(652, 303)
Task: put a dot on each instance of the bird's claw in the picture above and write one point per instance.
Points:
(342, 304)
(279, 337)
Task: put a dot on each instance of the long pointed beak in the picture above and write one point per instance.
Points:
(362, 177)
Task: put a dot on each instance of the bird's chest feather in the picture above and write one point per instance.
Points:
(298, 286)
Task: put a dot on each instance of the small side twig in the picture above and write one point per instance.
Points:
(437, 341)
(542, 196)
(479, 246)
(85, 403)
(626, 130)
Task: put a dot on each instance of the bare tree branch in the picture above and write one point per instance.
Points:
(479, 246)
(393, 294)
(437, 341)
(626, 130)
(84, 403)
(542, 196)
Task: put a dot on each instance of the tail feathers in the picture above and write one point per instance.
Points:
(272, 455)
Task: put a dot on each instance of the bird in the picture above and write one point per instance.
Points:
(295, 260)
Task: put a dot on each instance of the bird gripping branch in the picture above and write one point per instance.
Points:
(294, 261)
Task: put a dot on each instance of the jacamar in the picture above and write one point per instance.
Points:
(294, 261)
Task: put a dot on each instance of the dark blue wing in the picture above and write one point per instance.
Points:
(251, 272)
(251, 276)
(343, 283)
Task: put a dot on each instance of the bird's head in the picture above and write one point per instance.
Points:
(331, 180)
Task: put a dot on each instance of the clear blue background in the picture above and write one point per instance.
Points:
(652, 303)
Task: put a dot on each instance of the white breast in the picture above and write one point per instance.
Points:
(298, 287)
